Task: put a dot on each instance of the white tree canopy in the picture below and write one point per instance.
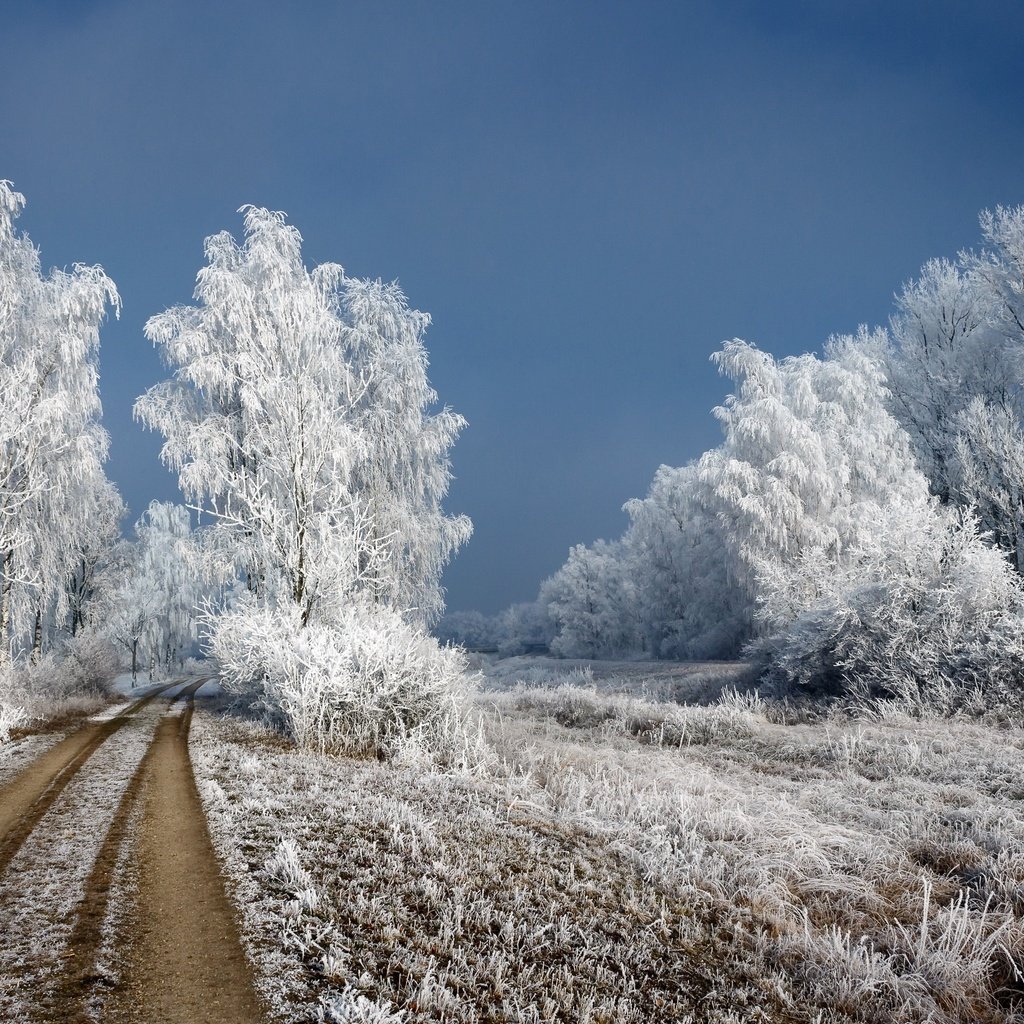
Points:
(298, 418)
(52, 446)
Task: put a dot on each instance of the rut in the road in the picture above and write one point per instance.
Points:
(68, 996)
(182, 958)
(28, 797)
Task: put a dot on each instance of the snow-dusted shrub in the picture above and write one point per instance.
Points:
(74, 676)
(88, 662)
(12, 709)
(365, 683)
(931, 614)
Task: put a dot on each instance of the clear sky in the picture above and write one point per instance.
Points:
(588, 198)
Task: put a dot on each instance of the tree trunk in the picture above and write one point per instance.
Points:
(37, 636)
(135, 661)
(6, 583)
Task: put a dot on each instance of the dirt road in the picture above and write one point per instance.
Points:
(111, 901)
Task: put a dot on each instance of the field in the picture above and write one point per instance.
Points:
(612, 855)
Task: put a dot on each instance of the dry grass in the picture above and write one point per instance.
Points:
(626, 859)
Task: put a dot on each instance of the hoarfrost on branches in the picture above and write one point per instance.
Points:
(57, 509)
(298, 418)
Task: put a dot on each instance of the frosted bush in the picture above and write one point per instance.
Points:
(12, 711)
(931, 616)
(367, 683)
(74, 676)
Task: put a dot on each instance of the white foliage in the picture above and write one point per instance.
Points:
(167, 559)
(931, 609)
(810, 461)
(686, 589)
(366, 683)
(592, 600)
(955, 366)
(52, 447)
(297, 417)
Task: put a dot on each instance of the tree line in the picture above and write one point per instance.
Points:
(861, 523)
(313, 461)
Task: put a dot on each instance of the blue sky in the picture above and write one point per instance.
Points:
(587, 197)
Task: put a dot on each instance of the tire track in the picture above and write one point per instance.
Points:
(26, 798)
(185, 963)
(180, 956)
(68, 999)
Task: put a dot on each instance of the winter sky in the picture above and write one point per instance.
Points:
(587, 197)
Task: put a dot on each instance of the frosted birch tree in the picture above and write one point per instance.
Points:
(592, 601)
(52, 446)
(688, 596)
(404, 472)
(298, 419)
(129, 602)
(167, 558)
(955, 367)
(102, 510)
(810, 461)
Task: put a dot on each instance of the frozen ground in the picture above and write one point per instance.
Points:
(44, 882)
(104, 860)
(624, 858)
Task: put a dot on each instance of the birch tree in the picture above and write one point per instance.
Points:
(167, 559)
(689, 599)
(52, 446)
(297, 419)
(810, 461)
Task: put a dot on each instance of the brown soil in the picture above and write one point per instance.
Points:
(183, 961)
(27, 797)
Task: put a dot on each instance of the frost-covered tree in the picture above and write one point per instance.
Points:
(990, 460)
(689, 600)
(955, 367)
(103, 510)
(298, 419)
(52, 446)
(592, 601)
(404, 472)
(129, 602)
(943, 354)
(523, 627)
(167, 558)
(471, 629)
(810, 459)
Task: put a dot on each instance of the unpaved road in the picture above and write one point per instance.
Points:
(133, 923)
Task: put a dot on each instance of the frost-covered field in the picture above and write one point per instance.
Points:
(619, 858)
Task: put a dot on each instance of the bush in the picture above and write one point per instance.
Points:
(936, 622)
(81, 667)
(366, 684)
(12, 704)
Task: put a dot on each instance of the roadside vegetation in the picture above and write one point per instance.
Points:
(621, 858)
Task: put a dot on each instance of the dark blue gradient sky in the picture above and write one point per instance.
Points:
(587, 197)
